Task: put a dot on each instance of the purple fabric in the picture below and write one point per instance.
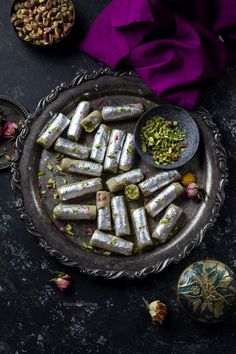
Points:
(173, 45)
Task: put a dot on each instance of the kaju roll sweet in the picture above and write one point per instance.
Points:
(158, 181)
(111, 243)
(121, 112)
(71, 148)
(74, 212)
(53, 130)
(91, 121)
(163, 199)
(119, 182)
(78, 189)
(114, 149)
(100, 143)
(141, 229)
(128, 153)
(103, 199)
(120, 216)
(75, 127)
(167, 224)
(81, 167)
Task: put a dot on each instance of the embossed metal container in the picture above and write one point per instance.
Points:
(101, 88)
(206, 290)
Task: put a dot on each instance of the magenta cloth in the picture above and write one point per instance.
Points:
(175, 46)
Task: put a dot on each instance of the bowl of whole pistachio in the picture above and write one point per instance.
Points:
(42, 22)
(166, 137)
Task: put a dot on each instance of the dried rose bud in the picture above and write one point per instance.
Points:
(62, 281)
(188, 178)
(9, 130)
(157, 310)
(194, 191)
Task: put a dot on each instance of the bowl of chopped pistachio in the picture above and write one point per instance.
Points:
(166, 137)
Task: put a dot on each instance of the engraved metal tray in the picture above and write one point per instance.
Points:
(102, 87)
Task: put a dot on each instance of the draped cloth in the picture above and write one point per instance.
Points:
(175, 46)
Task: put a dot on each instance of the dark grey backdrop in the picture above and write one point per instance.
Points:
(97, 316)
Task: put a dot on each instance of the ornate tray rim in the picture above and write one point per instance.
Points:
(111, 274)
(24, 112)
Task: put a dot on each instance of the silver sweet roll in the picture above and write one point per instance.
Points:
(75, 127)
(77, 189)
(163, 199)
(111, 243)
(119, 182)
(92, 121)
(81, 167)
(100, 143)
(126, 111)
(103, 199)
(128, 153)
(120, 216)
(142, 235)
(114, 149)
(53, 131)
(167, 223)
(74, 212)
(158, 181)
(71, 148)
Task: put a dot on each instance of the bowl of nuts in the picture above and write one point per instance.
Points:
(42, 22)
(166, 137)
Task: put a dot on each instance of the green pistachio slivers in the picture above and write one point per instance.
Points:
(163, 139)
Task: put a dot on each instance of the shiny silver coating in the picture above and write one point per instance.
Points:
(121, 181)
(125, 111)
(158, 181)
(81, 167)
(167, 224)
(128, 153)
(114, 149)
(163, 199)
(111, 243)
(74, 212)
(100, 143)
(75, 127)
(120, 216)
(77, 189)
(53, 130)
(71, 148)
(141, 229)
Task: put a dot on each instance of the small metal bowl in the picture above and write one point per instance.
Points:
(185, 122)
(48, 44)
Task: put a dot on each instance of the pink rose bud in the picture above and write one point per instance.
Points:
(9, 130)
(192, 190)
(62, 281)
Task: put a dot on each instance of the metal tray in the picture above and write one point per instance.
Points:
(16, 113)
(105, 86)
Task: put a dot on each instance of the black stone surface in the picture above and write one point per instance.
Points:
(97, 315)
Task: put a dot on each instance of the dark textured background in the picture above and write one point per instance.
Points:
(97, 316)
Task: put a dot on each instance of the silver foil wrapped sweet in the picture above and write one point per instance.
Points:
(125, 111)
(53, 130)
(103, 199)
(120, 216)
(119, 182)
(81, 167)
(128, 153)
(71, 148)
(158, 181)
(114, 149)
(74, 212)
(141, 229)
(167, 224)
(75, 127)
(100, 143)
(163, 199)
(78, 189)
(111, 243)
